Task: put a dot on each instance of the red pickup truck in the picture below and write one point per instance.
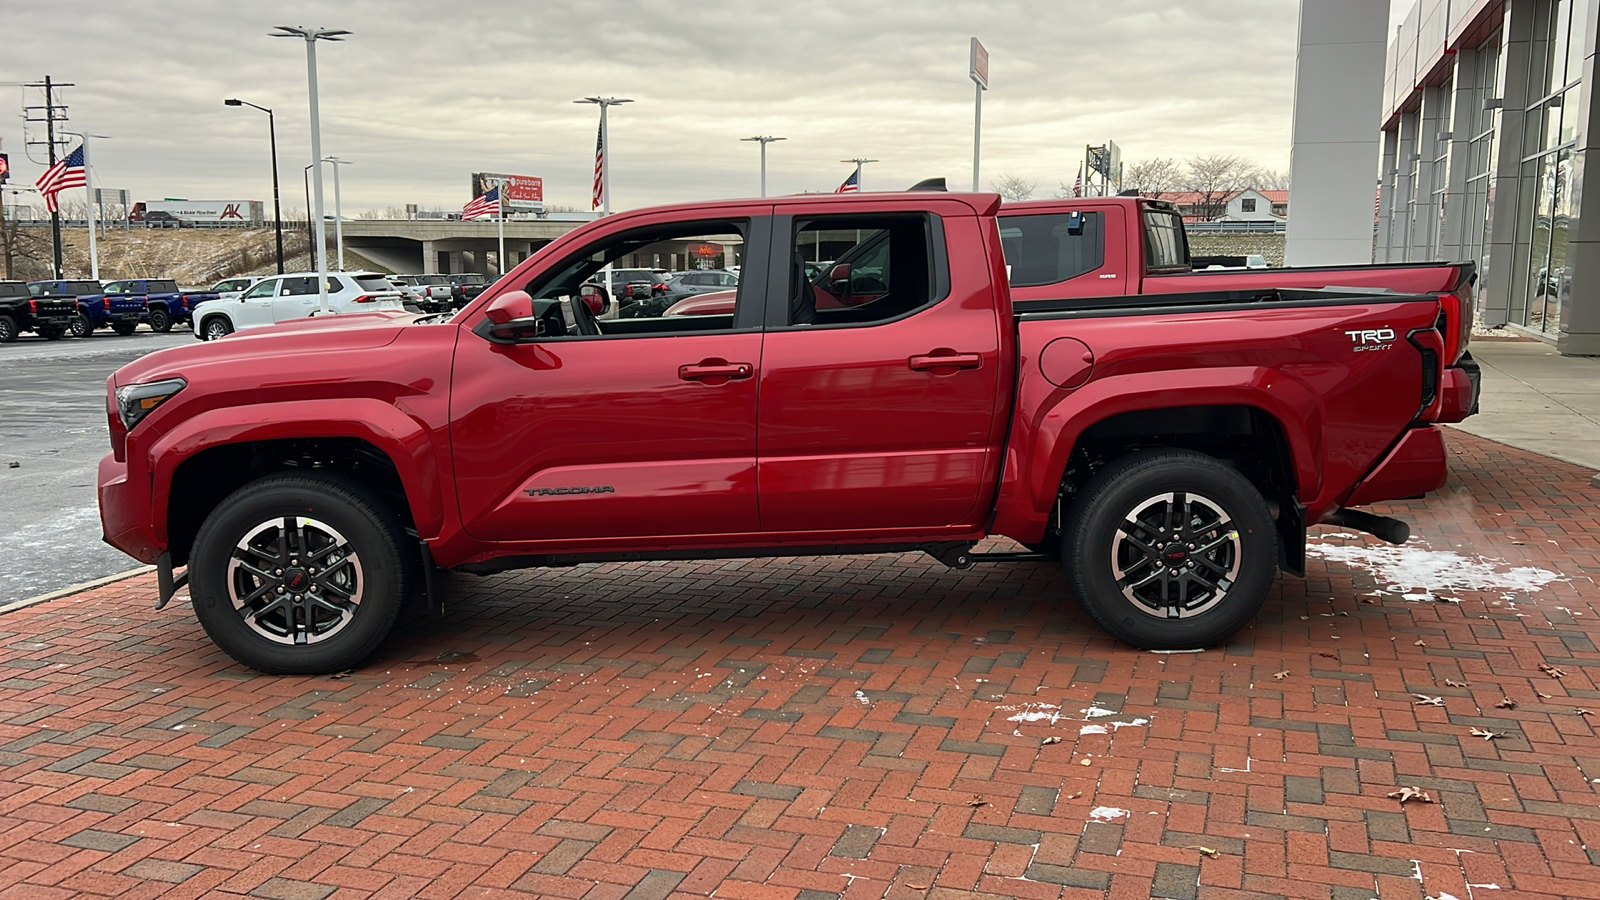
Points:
(1172, 449)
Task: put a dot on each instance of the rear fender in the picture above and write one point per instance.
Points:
(404, 440)
(1046, 434)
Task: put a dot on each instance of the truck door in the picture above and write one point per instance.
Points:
(1067, 253)
(622, 428)
(879, 384)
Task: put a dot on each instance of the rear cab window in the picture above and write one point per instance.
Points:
(1166, 246)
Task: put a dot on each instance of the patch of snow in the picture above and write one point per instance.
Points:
(1034, 712)
(1417, 572)
(1092, 729)
(1095, 712)
(1107, 814)
(863, 698)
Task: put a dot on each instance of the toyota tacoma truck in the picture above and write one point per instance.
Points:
(47, 315)
(96, 308)
(165, 302)
(307, 479)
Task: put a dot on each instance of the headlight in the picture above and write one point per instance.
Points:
(135, 401)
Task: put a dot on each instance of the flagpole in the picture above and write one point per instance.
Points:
(500, 203)
(88, 184)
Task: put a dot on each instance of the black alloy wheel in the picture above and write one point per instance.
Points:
(160, 321)
(8, 329)
(300, 574)
(81, 326)
(1170, 549)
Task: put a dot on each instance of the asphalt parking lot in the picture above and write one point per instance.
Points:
(850, 727)
(52, 435)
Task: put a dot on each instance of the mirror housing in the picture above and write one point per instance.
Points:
(839, 279)
(509, 306)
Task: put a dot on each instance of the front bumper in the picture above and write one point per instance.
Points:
(125, 512)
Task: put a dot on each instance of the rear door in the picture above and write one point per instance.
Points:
(638, 428)
(296, 297)
(880, 380)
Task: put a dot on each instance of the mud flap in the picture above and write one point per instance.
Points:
(1292, 537)
(166, 583)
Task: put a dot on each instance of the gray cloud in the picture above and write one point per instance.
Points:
(426, 92)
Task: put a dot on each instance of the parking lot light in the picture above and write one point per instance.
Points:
(311, 36)
(605, 148)
(272, 132)
(765, 139)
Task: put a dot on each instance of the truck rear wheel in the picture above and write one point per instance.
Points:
(1170, 549)
(8, 329)
(298, 574)
(160, 321)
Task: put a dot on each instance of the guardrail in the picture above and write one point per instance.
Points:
(1236, 227)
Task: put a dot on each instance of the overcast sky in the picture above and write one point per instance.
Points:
(424, 93)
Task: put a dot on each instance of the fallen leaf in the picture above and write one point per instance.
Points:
(345, 674)
(1345, 614)
(1425, 700)
(1281, 675)
(1410, 793)
(1486, 734)
(1050, 740)
(1550, 670)
(1326, 655)
(1542, 695)
(1420, 644)
(977, 801)
(1449, 683)
(1370, 601)
(1506, 703)
(1075, 795)
(1584, 712)
(917, 887)
(1206, 851)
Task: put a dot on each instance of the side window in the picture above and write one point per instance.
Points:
(860, 270)
(295, 287)
(267, 288)
(573, 299)
(1166, 247)
(727, 280)
(1052, 248)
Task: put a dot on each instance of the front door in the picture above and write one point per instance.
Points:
(254, 307)
(880, 376)
(617, 428)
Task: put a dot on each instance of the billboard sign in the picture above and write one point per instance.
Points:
(978, 68)
(521, 191)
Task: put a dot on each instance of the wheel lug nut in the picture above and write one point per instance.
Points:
(280, 589)
(277, 571)
(298, 598)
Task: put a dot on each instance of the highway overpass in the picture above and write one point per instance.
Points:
(445, 245)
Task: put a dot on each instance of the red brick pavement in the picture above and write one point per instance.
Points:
(838, 727)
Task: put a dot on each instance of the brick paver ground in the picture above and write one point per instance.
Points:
(856, 727)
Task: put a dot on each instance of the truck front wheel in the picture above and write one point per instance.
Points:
(1170, 549)
(298, 574)
(160, 321)
(81, 326)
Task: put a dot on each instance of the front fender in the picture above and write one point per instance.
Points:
(400, 437)
(1051, 420)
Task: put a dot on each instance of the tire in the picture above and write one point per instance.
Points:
(8, 329)
(81, 326)
(1223, 573)
(215, 328)
(160, 321)
(51, 332)
(124, 328)
(247, 603)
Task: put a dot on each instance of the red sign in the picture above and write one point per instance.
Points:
(705, 249)
(979, 68)
(522, 191)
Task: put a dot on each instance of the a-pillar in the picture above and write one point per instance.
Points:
(1580, 297)
(1509, 255)
(1337, 108)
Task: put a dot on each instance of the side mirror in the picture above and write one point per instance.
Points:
(839, 279)
(593, 297)
(510, 306)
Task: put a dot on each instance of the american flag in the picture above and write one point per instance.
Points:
(1077, 186)
(486, 204)
(599, 169)
(66, 173)
(853, 183)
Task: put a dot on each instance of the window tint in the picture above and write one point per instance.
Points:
(267, 288)
(1165, 244)
(1053, 248)
(374, 283)
(295, 287)
(84, 287)
(867, 269)
(572, 301)
(165, 286)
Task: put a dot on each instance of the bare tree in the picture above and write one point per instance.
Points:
(1153, 177)
(1014, 187)
(1213, 179)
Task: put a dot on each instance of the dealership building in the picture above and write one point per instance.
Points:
(1488, 123)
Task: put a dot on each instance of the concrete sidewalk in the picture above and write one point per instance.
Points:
(1536, 399)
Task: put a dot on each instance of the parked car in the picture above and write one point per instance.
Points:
(432, 293)
(96, 308)
(702, 282)
(47, 315)
(283, 298)
(165, 303)
(466, 286)
(1172, 449)
(231, 288)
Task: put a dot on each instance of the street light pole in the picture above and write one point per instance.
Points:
(338, 208)
(859, 161)
(765, 139)
(311, 36)
(277, 210)
(605, 148)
